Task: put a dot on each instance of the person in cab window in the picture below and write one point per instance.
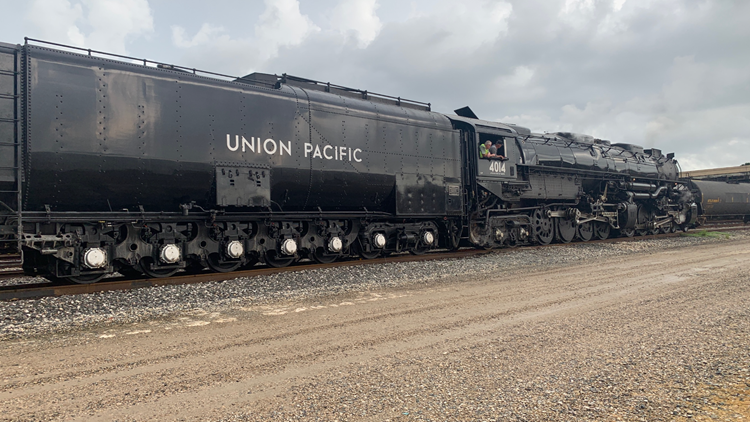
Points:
(484, 149)
(495, 150)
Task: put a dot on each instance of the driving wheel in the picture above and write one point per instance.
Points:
(586, 231)
(543, 227)
(602, 230)
(566, 230)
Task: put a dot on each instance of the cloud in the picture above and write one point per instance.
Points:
(56, 20)
(356, 19)
(207, 35)
(282, 24)
(98, 24)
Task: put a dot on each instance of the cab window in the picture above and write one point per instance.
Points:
(491, 147)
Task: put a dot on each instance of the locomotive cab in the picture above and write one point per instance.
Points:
(502, 164)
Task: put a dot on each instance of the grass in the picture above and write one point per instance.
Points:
(706, 233)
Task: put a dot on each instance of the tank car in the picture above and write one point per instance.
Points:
(144, 168)
(722, 200)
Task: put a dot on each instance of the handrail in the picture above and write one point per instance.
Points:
(145, 61)
(195, 71)
(364, 93)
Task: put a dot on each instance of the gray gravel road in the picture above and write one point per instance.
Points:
(661, 332)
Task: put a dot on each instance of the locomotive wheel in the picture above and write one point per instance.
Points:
(194, 266)
(252, 259)
(274, 260)
(565, 230)
(602, 230)
(320, 256)
(129, 271)
(673, 227)
(627, 232)
(645, 216)
(419, 249)
(359, 250)
(86, 279)
(585, 231)
(221, 267)
(158, 273)
(454, 237)
(543, 227)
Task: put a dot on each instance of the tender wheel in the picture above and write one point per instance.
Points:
(157, 273)
(194, 266)
(602, 230)
(543, 227)
(419, 249)
(130, 272)
(320, 256)
(86, 279)
(359, 250)
(276, 260)
(565, 230)
(222, 267)
(585, 231)
(251, 261)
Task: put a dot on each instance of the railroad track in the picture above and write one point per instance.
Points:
(9, 266)
(48, 289)
(34, 291)
(10, 261)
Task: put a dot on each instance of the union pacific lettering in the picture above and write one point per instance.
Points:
(273, 147)
(269, 146)
(330, 152)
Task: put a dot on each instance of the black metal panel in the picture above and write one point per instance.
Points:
(529, 153)
(359, 147)
(584, 158)
(548, 155)
(420, 194)
(8, 164)
(567, 157)
(453, 196)
(552, 186)
(243, 185)
(620, 166)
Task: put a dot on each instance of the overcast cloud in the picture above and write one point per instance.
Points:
(670, 74)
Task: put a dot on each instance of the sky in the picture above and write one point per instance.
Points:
(667, 74)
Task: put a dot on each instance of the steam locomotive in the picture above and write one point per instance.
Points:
(112, 164)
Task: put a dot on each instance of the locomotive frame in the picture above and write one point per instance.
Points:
(152, 169)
